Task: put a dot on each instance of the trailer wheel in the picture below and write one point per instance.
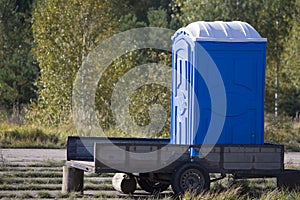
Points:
(152, 187)
(190, 177)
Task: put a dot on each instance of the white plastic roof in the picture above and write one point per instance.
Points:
(235, 31)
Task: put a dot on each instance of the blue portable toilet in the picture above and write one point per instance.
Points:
(218, 84)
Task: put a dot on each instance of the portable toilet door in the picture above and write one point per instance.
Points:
(182, 92)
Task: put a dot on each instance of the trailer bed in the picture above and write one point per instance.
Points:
(96, 154)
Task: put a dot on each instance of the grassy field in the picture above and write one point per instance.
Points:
(30, 136)
(281, 131)
(43, 181)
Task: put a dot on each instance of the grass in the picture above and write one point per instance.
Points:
(48, 163)
(11, 181)
(62, 195)
(91, 183)
(26, 195)
(103, 196)
(237, 194)
(96, 181)
(45, 163)
(11, 196)
(25, 169)
(102, 186)
(30, 136)
(20, 187)
(231, 194)
(250, 187)
(77, 195)
(50, 186)
(44, 194)
(226, 189)
(246, 189)
(282, 130)
(33, 174)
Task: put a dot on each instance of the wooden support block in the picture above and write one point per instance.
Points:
(72, 179)
(124, 183)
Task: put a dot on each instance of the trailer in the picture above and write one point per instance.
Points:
(220, 64)
(94, 154)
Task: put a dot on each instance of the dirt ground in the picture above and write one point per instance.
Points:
(292, 158)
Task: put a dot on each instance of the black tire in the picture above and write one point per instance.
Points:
(152, 186)
(190, 177)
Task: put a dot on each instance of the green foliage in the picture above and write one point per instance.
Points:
(283, 17)
(64, 36)
(130, 21)
(142, 100)
(157, 18)
(64, 32)
(18, 71)
(290, 69)
(146, 96)
(140, 8)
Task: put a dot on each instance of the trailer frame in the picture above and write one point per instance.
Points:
(94, 155)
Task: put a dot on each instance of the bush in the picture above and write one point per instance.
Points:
(282, 130)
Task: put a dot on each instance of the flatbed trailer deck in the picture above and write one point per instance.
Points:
(237, 159)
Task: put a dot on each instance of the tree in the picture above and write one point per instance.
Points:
(145, 96)
(275, 24)
(290, 63)
(64, 32)
(140, 8)
(18, 70)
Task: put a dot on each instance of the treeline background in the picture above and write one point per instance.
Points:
(43, 44)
